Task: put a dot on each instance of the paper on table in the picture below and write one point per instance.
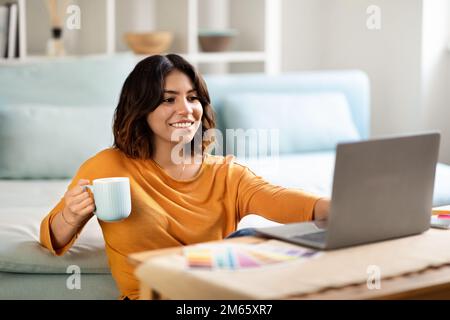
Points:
(240, 256)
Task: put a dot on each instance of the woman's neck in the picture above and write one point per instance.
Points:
(176, 167)
(164, 157)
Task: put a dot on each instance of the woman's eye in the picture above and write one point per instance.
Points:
(193, 98)
(169, 100)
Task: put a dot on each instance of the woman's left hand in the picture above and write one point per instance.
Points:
(322, 209)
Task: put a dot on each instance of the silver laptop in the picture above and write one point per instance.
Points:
(382, 189)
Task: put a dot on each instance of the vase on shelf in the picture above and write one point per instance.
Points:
(212, 40)
(55, 45)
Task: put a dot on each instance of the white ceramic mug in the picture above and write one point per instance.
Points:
(112, 198)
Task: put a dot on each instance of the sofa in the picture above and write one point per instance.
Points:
(54, 114)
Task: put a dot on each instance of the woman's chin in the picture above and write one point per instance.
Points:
(182, 138)
(185, 134)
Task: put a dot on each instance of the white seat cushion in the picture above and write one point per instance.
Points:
(314, 172)
(23, 205)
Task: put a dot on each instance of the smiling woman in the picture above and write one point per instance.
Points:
(151, 119)
(164, 103)
(175, 94)
(176, 120)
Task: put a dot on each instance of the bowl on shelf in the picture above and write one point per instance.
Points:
(149, 42)
(216, 40)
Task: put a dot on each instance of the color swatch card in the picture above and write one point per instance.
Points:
(440, 217)
(443, 211)
(241, 256)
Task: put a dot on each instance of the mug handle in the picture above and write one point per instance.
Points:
(91, 187)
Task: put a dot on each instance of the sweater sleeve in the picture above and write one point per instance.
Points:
(284, 205)
(45, 231)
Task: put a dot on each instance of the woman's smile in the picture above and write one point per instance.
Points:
(184, 124)
(179, 113)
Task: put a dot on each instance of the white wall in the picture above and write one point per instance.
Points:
(391, 56)
(332, 34)
(247, 16)
(38, 27)
(171, 16)
(91, 36)
(303, 30)
(435, 111)
(407, 59)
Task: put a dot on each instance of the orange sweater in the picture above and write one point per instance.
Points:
(167, 212)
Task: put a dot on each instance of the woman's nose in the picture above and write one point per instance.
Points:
(184, 107)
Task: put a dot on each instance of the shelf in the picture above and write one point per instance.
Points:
(236, 56)
(222, 57)
(201, 57)
(44, 58)
(269, 55)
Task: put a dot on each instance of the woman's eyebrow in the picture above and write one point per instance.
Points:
(176, 92)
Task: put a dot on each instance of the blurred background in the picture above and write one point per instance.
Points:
(403, 45)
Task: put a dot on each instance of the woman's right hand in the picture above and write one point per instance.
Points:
(79, 205)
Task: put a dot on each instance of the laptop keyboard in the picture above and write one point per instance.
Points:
(316, 236)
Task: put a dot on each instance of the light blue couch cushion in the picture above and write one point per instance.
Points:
(305, 122)
(73, 81)
(48, 141)
(354, 84)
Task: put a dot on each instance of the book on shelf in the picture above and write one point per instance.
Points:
(3, 29)
(9, 30)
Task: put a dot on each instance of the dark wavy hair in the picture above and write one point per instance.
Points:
(142, 93)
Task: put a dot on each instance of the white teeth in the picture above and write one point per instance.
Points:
(182, 124)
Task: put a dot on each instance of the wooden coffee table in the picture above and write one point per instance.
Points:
(431, 283)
